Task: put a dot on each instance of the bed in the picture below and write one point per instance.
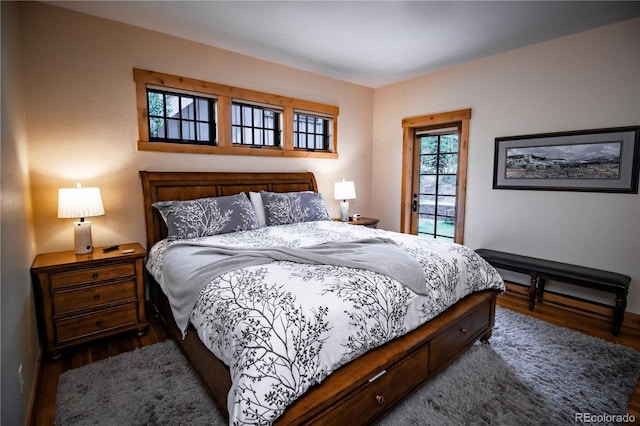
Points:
(375, 375)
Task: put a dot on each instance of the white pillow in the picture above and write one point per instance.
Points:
(258, 207)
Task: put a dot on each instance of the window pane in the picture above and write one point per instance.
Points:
(257, 137)
(449, 143)
(246, 115)
(247, 137)
(156, 127)
(202, 110)
(188, 130)
(174, 129)
(427, 184)
(428, 164)
(235, 114)
(448, 163)
(447, 184)
(155, 103)
(429, 144)
(269, 139)
(186, 108)
(446, 206)
(173, 106)
(269, 120)
(236, 134)
(426, 224)
(203, 132)
(427, 204)
(445, 227)
(257, 118)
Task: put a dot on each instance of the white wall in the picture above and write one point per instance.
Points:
(585, 81)
(82, 118)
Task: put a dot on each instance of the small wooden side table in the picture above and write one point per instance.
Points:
(369, 222)
(88, 296)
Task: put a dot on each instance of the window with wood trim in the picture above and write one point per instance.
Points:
(179, 114)
(255, 125)
(180, 117)
(311, 132)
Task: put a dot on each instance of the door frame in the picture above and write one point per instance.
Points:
(459, 118)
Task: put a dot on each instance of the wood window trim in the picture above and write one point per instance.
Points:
(410, 125)
(225, 95)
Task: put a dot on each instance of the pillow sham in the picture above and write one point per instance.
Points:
(282, 208)
(207, 216)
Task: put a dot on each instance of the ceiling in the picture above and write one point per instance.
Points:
(371, 43)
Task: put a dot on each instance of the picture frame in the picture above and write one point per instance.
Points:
(596, 160)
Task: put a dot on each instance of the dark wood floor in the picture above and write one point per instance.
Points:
(45, 397)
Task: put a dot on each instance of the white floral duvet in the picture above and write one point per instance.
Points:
(283, 327)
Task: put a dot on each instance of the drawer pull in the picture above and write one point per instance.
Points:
(95, 276)
(99, 323)
(96, 297)
(380, 399)
(463, 330)
(377, 376)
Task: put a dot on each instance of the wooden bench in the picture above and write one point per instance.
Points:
(539, 270)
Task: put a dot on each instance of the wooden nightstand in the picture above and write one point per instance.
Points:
(369, 222)
(88, 296)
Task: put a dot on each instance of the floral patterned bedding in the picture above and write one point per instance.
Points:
(283, 327)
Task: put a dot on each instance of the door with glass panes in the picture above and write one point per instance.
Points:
(435, 194)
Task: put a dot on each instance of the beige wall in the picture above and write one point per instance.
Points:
(82, 118)
(585, 81)
(17, 248)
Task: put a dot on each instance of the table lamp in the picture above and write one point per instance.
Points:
(345, 190)
(79, 203)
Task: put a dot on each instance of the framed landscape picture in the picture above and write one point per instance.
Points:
(601, 160)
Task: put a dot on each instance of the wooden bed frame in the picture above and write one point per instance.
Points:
(363, 389)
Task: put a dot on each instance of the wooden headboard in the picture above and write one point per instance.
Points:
(167, 186)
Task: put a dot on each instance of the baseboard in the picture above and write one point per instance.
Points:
(34, 389)
(567, 301)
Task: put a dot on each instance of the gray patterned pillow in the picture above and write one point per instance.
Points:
(207, 216)
(293, 207)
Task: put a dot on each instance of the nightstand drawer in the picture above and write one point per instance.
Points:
(90, 297)
(98, 322)
(92, 275)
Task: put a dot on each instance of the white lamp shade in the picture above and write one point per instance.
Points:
(79, 202)
(345, 190)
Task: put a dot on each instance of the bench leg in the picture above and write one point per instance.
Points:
(540, 292)
(533, 290)
(618, 312)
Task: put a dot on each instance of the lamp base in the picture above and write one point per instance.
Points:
(82, 237)
(344, 211)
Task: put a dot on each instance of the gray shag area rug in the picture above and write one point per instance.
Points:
(531, 373)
